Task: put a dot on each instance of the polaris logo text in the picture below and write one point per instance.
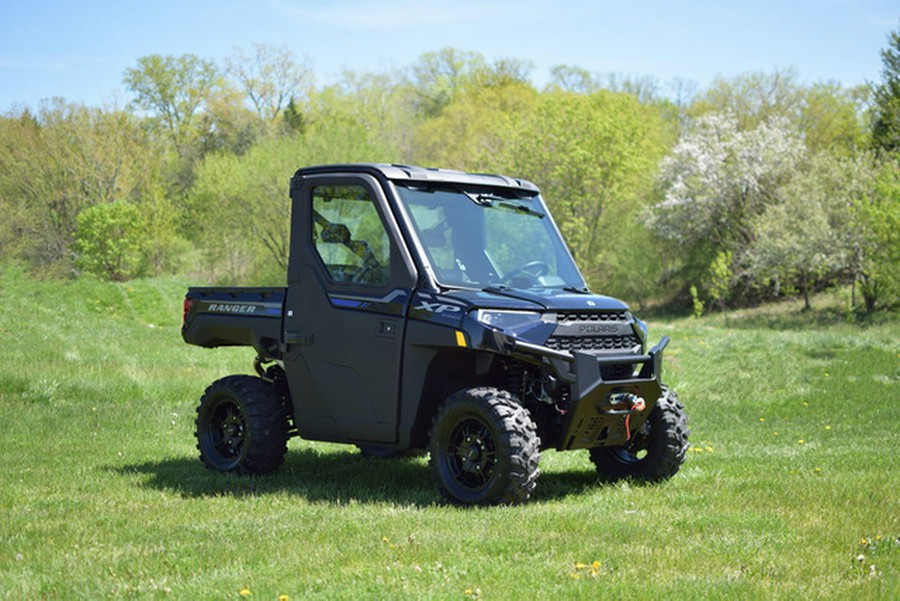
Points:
(597, 329)
(223, 308)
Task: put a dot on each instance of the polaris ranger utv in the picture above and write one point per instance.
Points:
(434, 310)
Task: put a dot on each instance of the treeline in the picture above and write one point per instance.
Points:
(753, 188)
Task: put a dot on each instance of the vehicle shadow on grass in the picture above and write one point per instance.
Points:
(331, 477)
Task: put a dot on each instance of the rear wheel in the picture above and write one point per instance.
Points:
(242, 426)
(655, 452)
(484, 448)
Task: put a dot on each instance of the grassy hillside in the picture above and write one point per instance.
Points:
(790, 489)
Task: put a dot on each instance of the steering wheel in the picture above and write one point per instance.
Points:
(535, 269)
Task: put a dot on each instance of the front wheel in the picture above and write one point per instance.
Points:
(242, 426)
(484, 448)
(655, 452)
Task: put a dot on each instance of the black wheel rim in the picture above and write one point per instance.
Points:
(227, 430)
(636, 449)
(471, 453)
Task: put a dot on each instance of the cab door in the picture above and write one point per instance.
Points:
(349, 288)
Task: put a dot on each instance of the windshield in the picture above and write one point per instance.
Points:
(488, 238)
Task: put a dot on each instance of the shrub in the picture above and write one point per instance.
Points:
(108, 240)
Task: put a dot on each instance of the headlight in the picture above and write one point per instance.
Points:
(526, 325)
(506, 320)
(641, 330)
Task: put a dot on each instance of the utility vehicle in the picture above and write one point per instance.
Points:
(439, 311)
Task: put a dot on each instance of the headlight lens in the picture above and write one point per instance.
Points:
(640, 330)
(507, 320)
(530, 326)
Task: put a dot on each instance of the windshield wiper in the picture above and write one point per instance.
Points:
(499, 202)
(577, 290)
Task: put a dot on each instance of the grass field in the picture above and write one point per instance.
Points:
(791, 489)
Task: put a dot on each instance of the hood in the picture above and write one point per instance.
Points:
(536, 300)
(453, 307)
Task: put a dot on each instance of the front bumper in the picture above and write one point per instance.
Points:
(602, 412)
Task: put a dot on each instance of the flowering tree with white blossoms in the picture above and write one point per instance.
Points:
(716, 181)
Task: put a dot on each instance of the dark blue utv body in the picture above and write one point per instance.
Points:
(438, 310)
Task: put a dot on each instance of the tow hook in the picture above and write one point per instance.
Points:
(624, 403)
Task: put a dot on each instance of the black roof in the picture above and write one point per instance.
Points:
(412, 173)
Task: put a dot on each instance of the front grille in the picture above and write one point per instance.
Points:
(568, 336)
(589, 317)
(593, 343)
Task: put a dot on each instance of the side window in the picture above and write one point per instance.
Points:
(349, 236)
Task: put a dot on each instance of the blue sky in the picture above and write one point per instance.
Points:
(79, 49)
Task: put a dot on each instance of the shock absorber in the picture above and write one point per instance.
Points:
(515, 379)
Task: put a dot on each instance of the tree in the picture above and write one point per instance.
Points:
(886, 125)
(503, 72)
(589, 154)
(108, 240)
(241, 207)
(162, 217)
(808, 235)
(831, 120)
(271, 78)
(716, 181)
(294, 118)
(475, 132)
(227, 125)
(384, 104)
(57, 164)
(176, 90)
(827, 117)
(876, 217)
(646, 89)
(440, 76)
(19, 143)
(753, 98)
(570, 78)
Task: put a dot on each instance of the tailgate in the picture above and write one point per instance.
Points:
(234, 317)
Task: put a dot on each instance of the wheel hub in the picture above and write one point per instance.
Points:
(231, 429)
(472, 453)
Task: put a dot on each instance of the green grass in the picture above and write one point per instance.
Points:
(790, 489)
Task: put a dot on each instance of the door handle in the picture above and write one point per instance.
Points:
(386, 328)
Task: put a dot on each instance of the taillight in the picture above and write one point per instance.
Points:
(188, 305)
